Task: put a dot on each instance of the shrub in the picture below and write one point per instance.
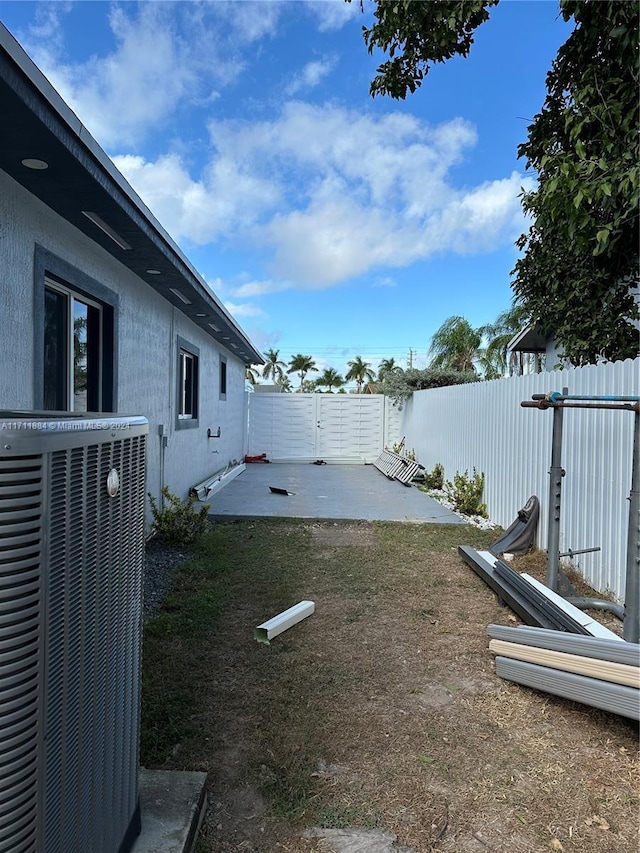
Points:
(466, 493)
(402, 451)
(434, 480)
(401, 385)
(177, 523)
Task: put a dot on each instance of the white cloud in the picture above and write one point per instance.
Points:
(119, 95)
(199, 211)
(311, 75)
(262, 339)
(249, 21)
(165, 55)
(259, 288)
(331, 194)
(246, 309)
(333, 14)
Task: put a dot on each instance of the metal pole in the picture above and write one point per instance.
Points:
(556, 396)
(556, 473)
(631, 631)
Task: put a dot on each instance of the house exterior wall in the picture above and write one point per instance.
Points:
(146, 345)
(482, 425)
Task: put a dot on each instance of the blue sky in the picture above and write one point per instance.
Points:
(329, 223)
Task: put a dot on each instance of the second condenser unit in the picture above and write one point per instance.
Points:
(72, 511)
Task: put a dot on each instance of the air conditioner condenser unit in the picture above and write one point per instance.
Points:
(72, 510)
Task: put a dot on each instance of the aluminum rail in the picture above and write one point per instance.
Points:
(603, 670)
(570, 404)
(483, 564)
(579, 688)
(598, 648)
(555, 396)
(554, 613)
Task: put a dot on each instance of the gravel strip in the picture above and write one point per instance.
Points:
(160, 565)
(476, 520)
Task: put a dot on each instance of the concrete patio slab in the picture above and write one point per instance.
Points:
(348, 492)
(172, 805)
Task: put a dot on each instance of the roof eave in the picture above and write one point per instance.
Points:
(102, 181)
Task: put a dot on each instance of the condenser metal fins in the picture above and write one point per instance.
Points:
(21, 488)
(71, 558)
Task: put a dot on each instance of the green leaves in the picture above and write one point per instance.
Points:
(399, 386)
(580, 255)
(416, 35)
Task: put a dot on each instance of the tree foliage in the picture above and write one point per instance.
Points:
(251, 374)
(329, 378)
(495, 361)
(273, 367)
(301, 364)
(455, 345)
(387, 365)
(359, 371)
(580, 255)
(415, 35)
(401, 385)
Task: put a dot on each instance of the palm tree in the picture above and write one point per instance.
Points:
(251, 374)
(360, 371)
(285, 383)
(301, 364)
(455, 345)
(330, 378)
(273, 368)
(499, 333)
(386, 366)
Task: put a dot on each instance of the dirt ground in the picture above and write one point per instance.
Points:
(382, 711)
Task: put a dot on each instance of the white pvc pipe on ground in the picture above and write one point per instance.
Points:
(272, 627)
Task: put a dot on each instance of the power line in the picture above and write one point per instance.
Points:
(338, 350)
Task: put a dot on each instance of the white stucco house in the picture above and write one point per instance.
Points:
(100, 311)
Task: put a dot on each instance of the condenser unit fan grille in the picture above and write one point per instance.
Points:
(20, 649)
(94, 608)
(71, 555)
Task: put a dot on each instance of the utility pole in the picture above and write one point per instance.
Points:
(410, 359)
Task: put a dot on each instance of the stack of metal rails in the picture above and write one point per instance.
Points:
(600, 672)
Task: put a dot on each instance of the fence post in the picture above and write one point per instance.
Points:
(556, 473)
(632, 583)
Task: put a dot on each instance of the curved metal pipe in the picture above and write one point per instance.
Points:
(597, 604)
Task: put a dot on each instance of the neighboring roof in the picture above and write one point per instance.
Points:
(261, 388)
(38, 124)
(530, 339)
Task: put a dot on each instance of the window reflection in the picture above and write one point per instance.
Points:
(80, 361)
(55, 336)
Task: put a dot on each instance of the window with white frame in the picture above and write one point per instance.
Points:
(73, 350)
(187, 369)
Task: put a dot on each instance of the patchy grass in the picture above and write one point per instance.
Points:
(380, 710)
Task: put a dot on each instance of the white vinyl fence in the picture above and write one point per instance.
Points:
(482, 425)
(334, 427)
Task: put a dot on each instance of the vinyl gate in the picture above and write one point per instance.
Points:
(334, 427)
